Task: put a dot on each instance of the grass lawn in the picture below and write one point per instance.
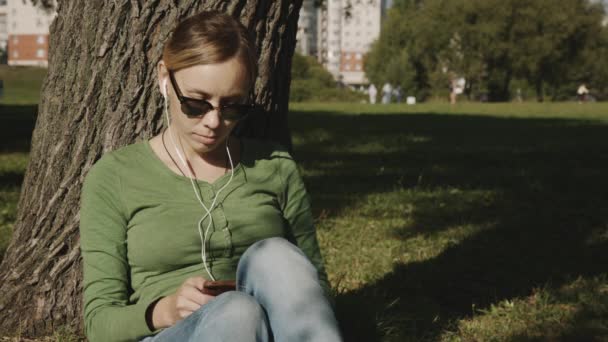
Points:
(475, 222)
(21, 84)
(18, 108)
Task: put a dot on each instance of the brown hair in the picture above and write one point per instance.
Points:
(210, 37)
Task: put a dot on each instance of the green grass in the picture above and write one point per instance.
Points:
(22, 85)
(440, 223)
(12, 168)
(18, 109)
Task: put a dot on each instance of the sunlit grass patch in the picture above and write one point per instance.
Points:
(570, 312)
(13, 163)
(379, 230)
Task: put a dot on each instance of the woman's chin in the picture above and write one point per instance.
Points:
(204, 145)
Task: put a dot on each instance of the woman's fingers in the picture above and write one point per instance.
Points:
(185, 306)
(197, 282)
(195, 295)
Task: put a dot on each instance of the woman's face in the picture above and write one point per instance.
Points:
(220, 84)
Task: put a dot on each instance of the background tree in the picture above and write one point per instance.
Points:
(548, 44)
(101, 93)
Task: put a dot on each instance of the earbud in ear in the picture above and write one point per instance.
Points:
(164, 90)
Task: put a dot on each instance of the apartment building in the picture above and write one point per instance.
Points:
(27, 33)
(3, 25)
(346, 30)
(306, 38)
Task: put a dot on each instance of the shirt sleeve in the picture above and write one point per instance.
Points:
(108, 315)
(297, 211)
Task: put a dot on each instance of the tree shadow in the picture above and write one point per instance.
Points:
(551, 203)
(18, 123)
(16, 128)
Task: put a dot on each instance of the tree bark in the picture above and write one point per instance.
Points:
(101, 93)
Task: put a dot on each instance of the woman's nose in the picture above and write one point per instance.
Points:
(212, 118)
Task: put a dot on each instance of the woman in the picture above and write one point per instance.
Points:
(165, 220)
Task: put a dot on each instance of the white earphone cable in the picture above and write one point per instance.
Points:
(203, 237)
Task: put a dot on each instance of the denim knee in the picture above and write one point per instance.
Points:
(237, 306)
(274, 260)
(276, 251)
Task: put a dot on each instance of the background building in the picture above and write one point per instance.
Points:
(359, 30)
(27, 33)
(343, 31)
(307, 29)
(3, 25)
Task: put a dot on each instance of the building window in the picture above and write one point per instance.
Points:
(358, 56)
(15, 54)
(14, 25)
(358, 67)
(40, 53)
(15, 40)
(40, 39)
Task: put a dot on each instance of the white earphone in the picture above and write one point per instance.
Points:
(194, 187)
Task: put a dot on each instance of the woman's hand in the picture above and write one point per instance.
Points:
(187, 299)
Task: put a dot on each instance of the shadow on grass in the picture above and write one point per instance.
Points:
(17, 125)
(550, 180)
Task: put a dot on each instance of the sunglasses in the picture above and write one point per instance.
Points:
(200, 107)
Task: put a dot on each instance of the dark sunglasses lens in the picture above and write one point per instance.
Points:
(235, 112)
(195, 108)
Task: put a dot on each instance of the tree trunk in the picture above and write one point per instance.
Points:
(101, 93)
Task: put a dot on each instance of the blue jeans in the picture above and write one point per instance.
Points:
(278, 298)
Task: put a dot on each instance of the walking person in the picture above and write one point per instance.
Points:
(582, 93)
(387, 91)
(373, 92)
(398, 94)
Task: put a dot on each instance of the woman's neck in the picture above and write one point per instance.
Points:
(217, 157)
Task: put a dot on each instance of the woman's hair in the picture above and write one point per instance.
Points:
(210, 37)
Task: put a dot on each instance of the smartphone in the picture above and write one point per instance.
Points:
(215, 288)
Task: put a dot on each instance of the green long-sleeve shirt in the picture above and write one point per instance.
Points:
(139, 234)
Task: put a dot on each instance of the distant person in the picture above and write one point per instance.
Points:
(582, 93)
(456, 88)
(373, 92)
(519, 96)
(398, 93)
(340, 84)
(387, 91)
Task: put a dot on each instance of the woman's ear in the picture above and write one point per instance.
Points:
(163, 74)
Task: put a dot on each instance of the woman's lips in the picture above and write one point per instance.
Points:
(207, 140)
